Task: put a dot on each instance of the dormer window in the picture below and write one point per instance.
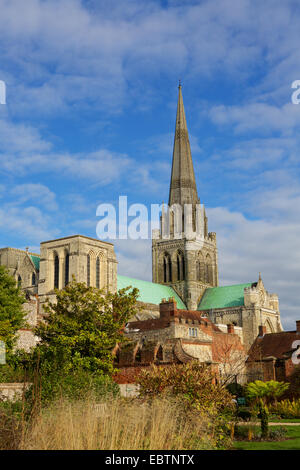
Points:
(193, 332)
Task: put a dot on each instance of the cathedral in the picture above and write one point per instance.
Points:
(184, 272)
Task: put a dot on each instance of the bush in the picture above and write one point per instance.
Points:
(278, 434)
(76, 385)
(192, 382)
(287, 409)
(236, 389)
(244, 413)
(10, 425)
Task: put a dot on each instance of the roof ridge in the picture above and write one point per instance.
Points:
(231, 285)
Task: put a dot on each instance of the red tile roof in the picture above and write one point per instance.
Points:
(273, 344)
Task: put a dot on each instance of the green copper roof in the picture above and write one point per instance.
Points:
(36, 261)
(220, 297)
(150, 292)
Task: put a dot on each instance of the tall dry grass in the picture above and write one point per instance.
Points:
(118, 425)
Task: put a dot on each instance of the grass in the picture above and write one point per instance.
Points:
(285, 420)
(118, 425)
(291, 443)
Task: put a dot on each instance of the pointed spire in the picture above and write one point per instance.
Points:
(183, 188)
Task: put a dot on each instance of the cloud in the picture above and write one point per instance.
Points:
(78, 53)
(29, 223)
(37, 193)
(134, 258)
(21, 138)
(247, 247)
(259, 117)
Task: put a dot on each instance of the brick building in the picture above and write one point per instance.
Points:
(274, 356)
(180, 336)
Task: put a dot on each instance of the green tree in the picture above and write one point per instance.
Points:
(80, 329)
(263, 393)
(12, 316)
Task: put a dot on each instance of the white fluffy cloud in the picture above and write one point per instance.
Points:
(260, 117)
(247, 247)
(105, 51)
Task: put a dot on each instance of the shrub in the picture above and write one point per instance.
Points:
(193, 382)
(287, 409)
(76, 385)
(278, 434)
(10, 425)
(244, 413)
(236, 389)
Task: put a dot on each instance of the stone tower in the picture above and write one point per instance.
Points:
(184, 254)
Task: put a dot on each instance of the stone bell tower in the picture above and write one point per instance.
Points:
(184, 254)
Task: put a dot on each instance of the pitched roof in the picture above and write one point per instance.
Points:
(36, 261)
(225, 296)
(273, 344)
(150, 292)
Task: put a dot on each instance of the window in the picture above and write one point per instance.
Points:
(98, 272)
(56, 272)
(19, 281)
(67, 264)
(33, 279)
(167, 268)
(138, 356)
(159, 354)
(193, 332)
(88, 279)
(178, 268)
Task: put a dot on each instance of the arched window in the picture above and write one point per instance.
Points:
(67, 264)
(208, 270)
(98, 272)
(159, 354)
(33, 279)
(138, 356)
(167, 268)
(88, 271)
(206, 274)
(198, 270)
(56, 272)
(19, 281)
(180, 267)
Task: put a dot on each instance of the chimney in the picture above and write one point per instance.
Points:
(230, 328)
(262, 330)
(298, 326)
(168, 308)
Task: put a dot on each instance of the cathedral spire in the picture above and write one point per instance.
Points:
(183, 188)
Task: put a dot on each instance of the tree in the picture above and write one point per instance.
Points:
(231, 357)
(262, 393)
(80, 329)
(12, 316)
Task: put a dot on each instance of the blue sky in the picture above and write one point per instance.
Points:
(90, 115)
